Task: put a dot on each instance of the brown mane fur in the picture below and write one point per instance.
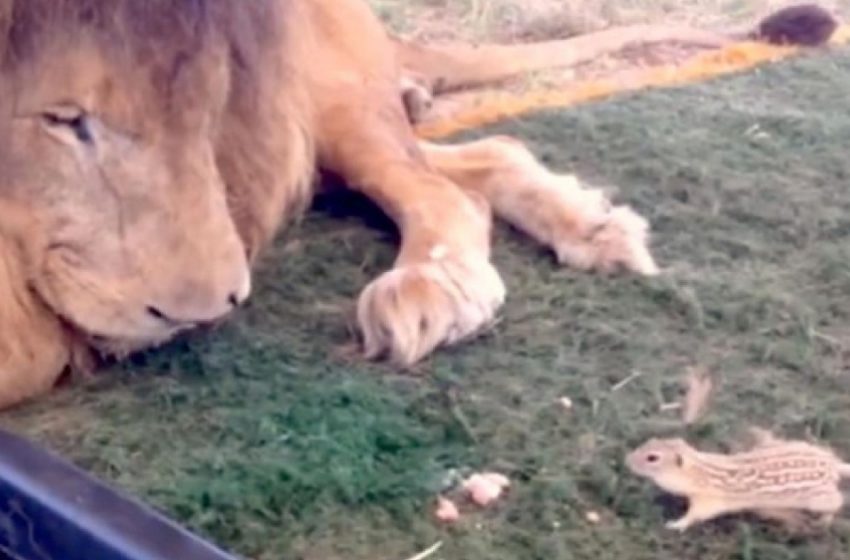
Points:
(159, 42)
(153, 147)
(160, 32)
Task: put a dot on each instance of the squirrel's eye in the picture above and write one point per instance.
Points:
(652, 458)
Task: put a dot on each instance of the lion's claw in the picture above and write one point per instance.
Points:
(412, 309)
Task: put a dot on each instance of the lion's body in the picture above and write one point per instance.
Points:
(156, 146)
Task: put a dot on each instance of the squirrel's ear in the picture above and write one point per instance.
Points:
(680, 460)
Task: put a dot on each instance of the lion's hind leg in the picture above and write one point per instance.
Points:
(581, 225)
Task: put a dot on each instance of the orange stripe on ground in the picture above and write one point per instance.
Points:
(495, 107)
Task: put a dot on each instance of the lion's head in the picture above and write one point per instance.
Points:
(111, 113)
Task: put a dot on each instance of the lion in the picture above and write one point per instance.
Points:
(153, 148)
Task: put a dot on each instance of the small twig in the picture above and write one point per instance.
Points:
(666, 407)
(426, 553)
(634, 375)
(459, 417)
(831, 340)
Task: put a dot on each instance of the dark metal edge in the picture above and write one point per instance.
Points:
(52, 510)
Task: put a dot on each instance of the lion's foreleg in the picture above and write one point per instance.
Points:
(581, 225)
(442, 288)
(34, 349)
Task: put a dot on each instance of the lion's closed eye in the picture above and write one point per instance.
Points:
(68, 123)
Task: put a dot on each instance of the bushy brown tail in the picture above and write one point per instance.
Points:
(452, 66)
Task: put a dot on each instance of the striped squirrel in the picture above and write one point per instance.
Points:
(776, 479)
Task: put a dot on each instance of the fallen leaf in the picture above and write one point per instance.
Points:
(699, 386)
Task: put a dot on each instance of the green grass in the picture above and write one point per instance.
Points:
(268, 437)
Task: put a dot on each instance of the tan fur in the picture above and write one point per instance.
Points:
(207, 121)
(451, 66)
(776, 479)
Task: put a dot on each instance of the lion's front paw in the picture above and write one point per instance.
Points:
(410, 310)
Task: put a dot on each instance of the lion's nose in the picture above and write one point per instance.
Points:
(191, 309)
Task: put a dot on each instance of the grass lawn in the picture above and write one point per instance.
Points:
(268, 437)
